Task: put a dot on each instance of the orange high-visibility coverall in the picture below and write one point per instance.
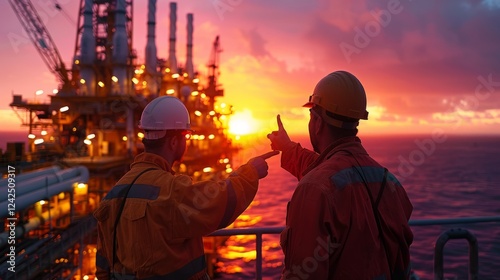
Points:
(331, 231)
(164, 218)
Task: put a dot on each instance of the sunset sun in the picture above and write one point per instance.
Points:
(242, 123)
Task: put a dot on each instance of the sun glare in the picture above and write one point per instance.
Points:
(376, 112)
(242, 123)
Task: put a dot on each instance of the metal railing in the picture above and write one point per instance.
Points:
(259, 231)
(456, 233)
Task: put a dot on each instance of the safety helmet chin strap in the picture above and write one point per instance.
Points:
(154, 134)
(336, 122)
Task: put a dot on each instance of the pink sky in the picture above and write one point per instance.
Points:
(425, 65)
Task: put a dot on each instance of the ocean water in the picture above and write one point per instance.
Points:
(446, 176)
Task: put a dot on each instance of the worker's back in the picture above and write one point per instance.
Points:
(164, 218)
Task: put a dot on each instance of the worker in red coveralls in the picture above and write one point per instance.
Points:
(151, 223)
(348, 217)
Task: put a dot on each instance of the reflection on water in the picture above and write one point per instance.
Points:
(238, 253)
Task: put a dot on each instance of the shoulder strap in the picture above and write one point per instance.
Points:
(375, 204)
(120, 210)
(378, 217)
(382, 187)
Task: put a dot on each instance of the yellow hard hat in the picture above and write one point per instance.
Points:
(341, 94)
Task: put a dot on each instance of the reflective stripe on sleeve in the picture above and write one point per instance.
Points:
(372, 174)
(137, 191)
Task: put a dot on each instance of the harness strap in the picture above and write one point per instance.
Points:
(381, 190)
(122, 205)
(375, 204)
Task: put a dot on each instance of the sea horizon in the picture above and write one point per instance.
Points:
(12, 136)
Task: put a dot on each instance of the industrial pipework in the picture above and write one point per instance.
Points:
(42, 185)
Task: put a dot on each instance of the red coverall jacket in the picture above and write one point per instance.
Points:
(164, 218)
(331, 231)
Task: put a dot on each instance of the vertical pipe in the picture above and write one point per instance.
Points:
(189, 52)
(172, 60)
(87, 52)
(151, 51)
(120, 51)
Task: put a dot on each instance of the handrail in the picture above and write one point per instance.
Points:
(259, 231)
(456, 233)
(455, 221)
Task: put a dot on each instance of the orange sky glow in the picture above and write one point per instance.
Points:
(425, 65)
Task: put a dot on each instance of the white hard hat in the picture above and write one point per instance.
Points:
(164, 113)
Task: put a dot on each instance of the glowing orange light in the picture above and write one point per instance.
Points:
(242, 123)
(207, 169)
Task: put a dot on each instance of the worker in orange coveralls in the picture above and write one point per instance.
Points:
(151, 223)
(348, 217)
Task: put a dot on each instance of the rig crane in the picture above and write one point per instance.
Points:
(42, 40)
(213, 89)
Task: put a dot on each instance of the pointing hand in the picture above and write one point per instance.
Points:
(279, 139)
(260, 163)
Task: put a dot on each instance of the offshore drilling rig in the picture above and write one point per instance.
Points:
(81, 142)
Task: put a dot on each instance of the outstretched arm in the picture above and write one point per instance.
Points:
(210, 205)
